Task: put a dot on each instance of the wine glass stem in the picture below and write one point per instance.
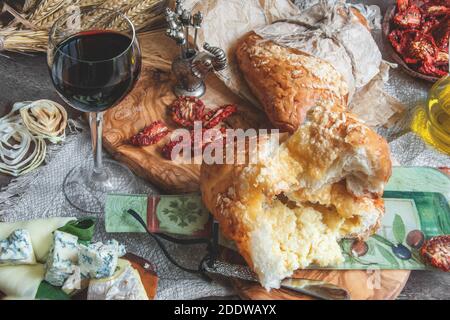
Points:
(96, 124)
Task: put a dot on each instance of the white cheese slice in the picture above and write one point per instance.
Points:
(17, 249)
(125, 284)
(62, 258)
(73, 282)
(21, 282)
(40, 232)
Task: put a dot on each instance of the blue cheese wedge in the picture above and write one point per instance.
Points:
(120, 248)
(124, 284)
(62, 258)
(41, 233)
(99, 260)
(17, 249)
(73, 282)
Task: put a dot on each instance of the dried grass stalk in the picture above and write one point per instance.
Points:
(45, 9)
(29, 5)
(140, 13)
(23, 40)
(48, 11)
(88, 3)
(145, 14)
(96, 20)
(151, 22)
(18, 18)
(48, 21)
(116, 4)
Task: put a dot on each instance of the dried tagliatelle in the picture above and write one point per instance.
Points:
(44, 118)
(23, 132)
(20, 151)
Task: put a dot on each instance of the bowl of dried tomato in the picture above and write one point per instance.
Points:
(418, 34)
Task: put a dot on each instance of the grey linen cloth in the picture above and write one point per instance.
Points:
(39, 194)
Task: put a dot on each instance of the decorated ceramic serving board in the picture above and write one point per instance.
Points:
(421, 205)
(149, 102)
(417, 208)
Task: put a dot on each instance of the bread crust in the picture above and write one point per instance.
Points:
(236, 194)
(331, 131)
(288, 82)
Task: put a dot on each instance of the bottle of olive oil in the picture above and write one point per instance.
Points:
(438, 113)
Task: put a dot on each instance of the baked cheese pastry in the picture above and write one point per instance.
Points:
(289, 208)
(287, 81)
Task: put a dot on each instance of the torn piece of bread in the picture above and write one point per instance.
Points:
(289, 209)
(330, 146)
(287, 81)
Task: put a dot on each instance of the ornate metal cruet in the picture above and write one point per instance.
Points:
(192, 66)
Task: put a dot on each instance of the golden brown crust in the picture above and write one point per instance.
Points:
(329, 133)
(221, 189)
(217, 181)
(302, 171)
(288, 82)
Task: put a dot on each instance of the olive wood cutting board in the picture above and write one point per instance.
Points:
(148, 102)
(360, 284)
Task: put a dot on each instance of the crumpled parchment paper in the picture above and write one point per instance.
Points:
(328, 29)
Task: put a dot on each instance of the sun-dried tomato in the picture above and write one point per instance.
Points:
(420, 35)
(217, 135)
(216, 116)
(436, 252)
(168, 147)
(186, 110)
(150, 135)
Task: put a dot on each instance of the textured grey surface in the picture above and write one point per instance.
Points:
(41, 196)
(26, 78)
(22, 78)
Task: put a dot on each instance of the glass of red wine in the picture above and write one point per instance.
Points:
(94, 61)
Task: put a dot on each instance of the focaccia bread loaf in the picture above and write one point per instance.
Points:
(289, 208)
(288, 82)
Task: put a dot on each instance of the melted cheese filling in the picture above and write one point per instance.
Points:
(295, 203)
(294, 232)
(284, 240)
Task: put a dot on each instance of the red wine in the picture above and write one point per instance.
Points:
(94, 70)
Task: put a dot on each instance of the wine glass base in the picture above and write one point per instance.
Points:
(86, 190)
